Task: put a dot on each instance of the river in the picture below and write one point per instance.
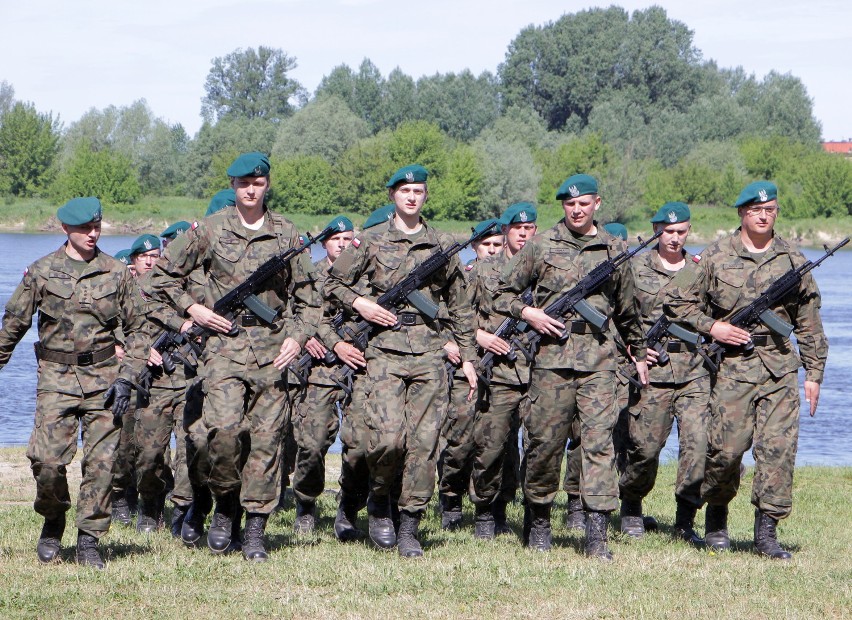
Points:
(824, 440)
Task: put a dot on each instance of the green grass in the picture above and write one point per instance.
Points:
(156, 577)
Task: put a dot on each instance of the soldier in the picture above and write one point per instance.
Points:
(495, 428)
(172, 232)
(678, 388)
(755, 397)
(405, 384)
(242, 377)
(455, 448)
(574, 376)
(83, 297)
(316, 422)
(221, 199)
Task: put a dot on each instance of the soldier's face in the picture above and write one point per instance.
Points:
(83, 238)
(409, 198)
(674, 236)
(335, 244)
(143, 263)
(489, 246)
(250, 191)
(518, 234)
(580, 212)
(759, 219)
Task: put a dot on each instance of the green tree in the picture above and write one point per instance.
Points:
(587, 155)
(826, 181)
(303, 183)
(362, 91)
(361, 173)
(104, 173)
(7, 97)
(509, 173)
(456, 194)
(325, 127)
(399, 99)
(461, 105)
(251, 84)
(28, 146)
(419, 142)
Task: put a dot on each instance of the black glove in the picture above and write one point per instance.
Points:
(118, 396)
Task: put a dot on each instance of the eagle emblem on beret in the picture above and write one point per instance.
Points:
(522, 216)
(257, 171)
(341, 225)
(409, 176)
(762, 195)
(147, 244)
(672, 217)
(573, 191)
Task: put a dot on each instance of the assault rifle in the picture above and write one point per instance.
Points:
(301, 368)
(664, 327)
(508, 330)
(406, 290)
(243, 296)
(172, 346)
(760, 310)
(574, 300)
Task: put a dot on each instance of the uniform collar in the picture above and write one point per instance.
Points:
(101, 263)
(561, 232)
(778, 246)
(395, 234)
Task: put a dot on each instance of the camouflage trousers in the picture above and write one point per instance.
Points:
(182, 493)
(354, 439)
(557, 397)
(245, 411)
(455, 445)
(495, 437)
(195, 436)
(406, 396)
(152, 433)
(52, 446)
(764, 414)
(125, 453)
(315, 425)
(650, 423)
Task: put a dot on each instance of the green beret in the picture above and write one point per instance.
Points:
(408, 174)
(253, 164)
(671, 213)
(123, 256)
(519, 212)
(221, 199)
(485, 224)
(757, 192)
(341, 223)
(144, 243)
(380, 215)
(616, 230)
(577, 185)
(79, 211)
(178, 228)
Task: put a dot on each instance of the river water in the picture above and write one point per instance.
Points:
(824, 440)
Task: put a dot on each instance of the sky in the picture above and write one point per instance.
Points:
(68, 57)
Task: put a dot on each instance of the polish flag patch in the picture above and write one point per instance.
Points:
(696, 258)
(194, 226)
(356, 242)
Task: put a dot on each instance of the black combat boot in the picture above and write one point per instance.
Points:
(650, 523)
(87, 551)
(575, 519)
(236, 539)
(540, 534)
(766, 538)
(50, 539)
(381, 528)
(120, 508)
(253, 539)
(193, 523)
(345, 528)
(596, 525)
(178, 515)
(716, 528)
(306, 518)
(484, 525)
(631, 519)
(407, 543)
(451, 512)
(132, 496)
(221, 526)
(498, 509)
(684, 525)
(150, 515)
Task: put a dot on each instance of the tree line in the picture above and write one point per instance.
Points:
(626, 97)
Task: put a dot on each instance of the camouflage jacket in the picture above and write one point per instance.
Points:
(77, 313)
(554, 262)
(381, 257)
(726, 279)
(651, 282)
(227, 253)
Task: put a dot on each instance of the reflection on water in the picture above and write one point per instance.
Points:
(824, 440)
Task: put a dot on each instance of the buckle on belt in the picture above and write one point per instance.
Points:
(577, 327)
(85, 359)
(407, 318)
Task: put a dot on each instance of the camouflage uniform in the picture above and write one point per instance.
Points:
(81, 308)
(245, 404)
(679, 389)
(755, 398)
(405, 385)
(575, 378)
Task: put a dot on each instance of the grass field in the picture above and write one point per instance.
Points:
(156, 577)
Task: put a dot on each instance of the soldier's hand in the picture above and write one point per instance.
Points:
(118, 397)
(642, 372)
(288, 352)
(728, 334)
(204, 316)
(651, 356)
(154, 358)
(350, 355)
(812, 395)
(315, 348)
(374, 313)
(470, 372)
(187, 325)
(541, 322)
(119, 352)
(492, 343)
(453, 353)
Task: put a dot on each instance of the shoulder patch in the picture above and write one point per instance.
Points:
(696, 258)
(356, 242)
(194, 226)
(468, 267)
(26, 271)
